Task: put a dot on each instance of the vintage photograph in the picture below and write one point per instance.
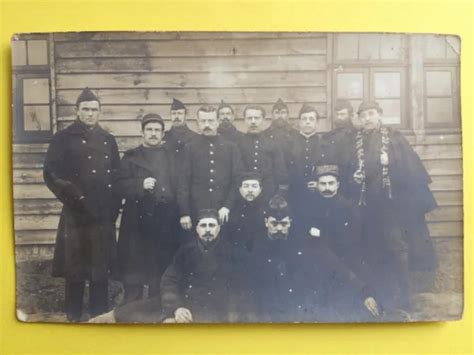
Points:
(237, 177)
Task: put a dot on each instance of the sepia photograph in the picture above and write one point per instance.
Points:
(237, 177)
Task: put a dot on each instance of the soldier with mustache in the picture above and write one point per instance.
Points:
(146, 180)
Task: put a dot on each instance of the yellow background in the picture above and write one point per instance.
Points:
(450, 17)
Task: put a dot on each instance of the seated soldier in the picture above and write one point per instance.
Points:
(291, 275)
(336, 222)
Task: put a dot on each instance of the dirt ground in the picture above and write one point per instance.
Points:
(40, 297)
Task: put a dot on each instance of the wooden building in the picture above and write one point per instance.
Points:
(415, 78)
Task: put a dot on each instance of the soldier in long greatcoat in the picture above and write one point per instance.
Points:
(147, 242)
(393, 192)
(79, 168)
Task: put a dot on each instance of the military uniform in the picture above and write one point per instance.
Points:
(146, 240)
(177, 138)
(281, 133)
(304, 150)
(201, 281)
(79, 169)
(261, 155)
(230, 133)
(209, 175)
(394, 221)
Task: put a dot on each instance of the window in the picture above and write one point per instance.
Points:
(372, 67)
(31, 89)
(441, 72)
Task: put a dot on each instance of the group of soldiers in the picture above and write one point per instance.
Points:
(277, 224)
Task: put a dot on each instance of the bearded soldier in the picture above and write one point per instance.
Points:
(262, 155)
(198, 285)
(227, 130)
(280, 130)
(79, 167)
(388, 174)
(146, 180)
(337, 145)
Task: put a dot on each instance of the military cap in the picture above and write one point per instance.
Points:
(86, 95)
(251, 175)
(278, 207)
(152, 117)
(329, 169)
(224, 105)
(177, 105)
(207, 213)
(367, 105)
(344, 105)
(279, 105)
(308, 108)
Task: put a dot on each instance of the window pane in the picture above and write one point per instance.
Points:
(435, 46)
(37, 52)
(36, 91)
(369, 46)
(391, 111)
(391, 47)
(438, 83)
(350, 85)
(387, 85)
(36, 118)
(347, 45)
(439, 110)
(19, 52)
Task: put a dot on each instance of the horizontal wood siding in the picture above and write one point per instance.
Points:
(138, 73)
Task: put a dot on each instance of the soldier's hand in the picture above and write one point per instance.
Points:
(358, 177)
(186, 222)
(384, 158)
(315, 232)
(149, 183)
(223, 215)
(312, 186)
(183, 315)
(372, 306)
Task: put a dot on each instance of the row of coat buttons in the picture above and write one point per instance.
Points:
(84, 142)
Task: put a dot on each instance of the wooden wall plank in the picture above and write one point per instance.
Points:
(32, 191)
(131, 112)
(191, 80)
(36, 206)
(446, 229)
(449, 198)
(27, 176)
(443, 167)
(192, 48)
(446, 214)
(194, 96)
(36, 222)
(446, 183)
(435, 152)
(191, 64)
(173, 35)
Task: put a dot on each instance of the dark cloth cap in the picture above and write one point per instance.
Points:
(86, 95)
(251, 176)
(367, 105)
(224, 105)
(152, 117)
(208, 213)
(278, 207)
(308, 108)
(343, 105)
(177, 105)
(329, 169)
(279, 105)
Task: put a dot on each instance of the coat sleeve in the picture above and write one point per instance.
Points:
(170, 287)
(127, 185)
(54, 176)
(184, 182)
(237, 170)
